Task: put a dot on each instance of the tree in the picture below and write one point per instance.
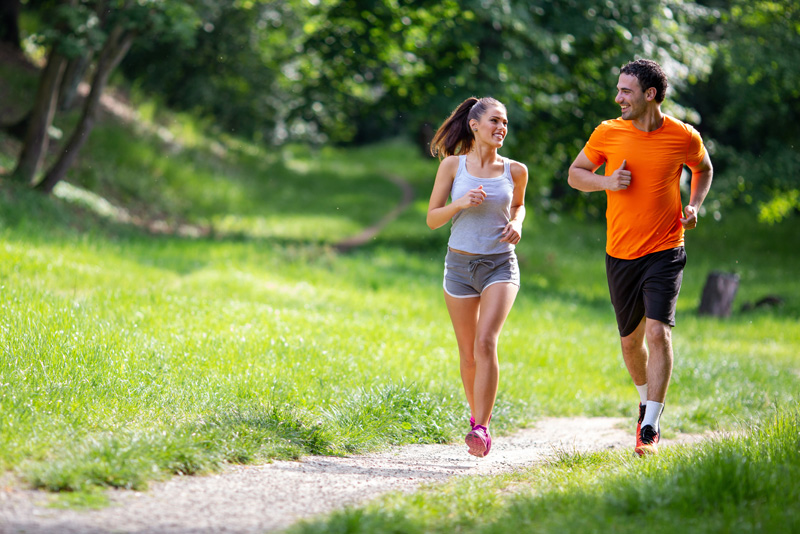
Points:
(84, 26)
(750, 103)
(232, 72)
(114, 49)
(9, 23)
(39, 120)
(372, 68)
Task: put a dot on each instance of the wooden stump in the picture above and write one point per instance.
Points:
(718, 294)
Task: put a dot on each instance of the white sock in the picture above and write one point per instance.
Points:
(642, 392)
(652, 414)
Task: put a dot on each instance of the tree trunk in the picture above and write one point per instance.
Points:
(36, 140)
(9, 23)
(115, 48)
(73, 75)
(718, 294)
(77, 67)
(20, 128)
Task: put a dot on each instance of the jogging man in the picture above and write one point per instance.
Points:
(644, 152)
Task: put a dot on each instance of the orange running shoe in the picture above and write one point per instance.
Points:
(642, 409)
(647, 441)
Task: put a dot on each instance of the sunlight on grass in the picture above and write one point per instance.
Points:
(316, 228)
(716, 486)
(156, 355)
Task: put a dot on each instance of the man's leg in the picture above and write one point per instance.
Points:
(659, 366)
(651, 365)
(659, 371)
(634, 353)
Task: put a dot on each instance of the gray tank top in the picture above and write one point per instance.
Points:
(478, 229)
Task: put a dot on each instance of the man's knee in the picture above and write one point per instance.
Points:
(635, 340)
(658, 333)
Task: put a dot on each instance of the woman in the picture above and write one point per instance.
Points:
(481, 275)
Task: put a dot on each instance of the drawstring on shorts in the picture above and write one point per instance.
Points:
(474, 265)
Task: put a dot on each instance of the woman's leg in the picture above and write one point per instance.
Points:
(495, 304)
(464, 315)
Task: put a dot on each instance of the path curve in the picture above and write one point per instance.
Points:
(269, 498)
(373, 230)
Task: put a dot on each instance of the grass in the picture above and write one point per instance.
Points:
(731, 484)
(128, 357)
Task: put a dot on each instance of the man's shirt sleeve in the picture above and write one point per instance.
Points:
(595, 146)
(697, 151)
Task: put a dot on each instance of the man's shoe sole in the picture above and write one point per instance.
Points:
(646, 449)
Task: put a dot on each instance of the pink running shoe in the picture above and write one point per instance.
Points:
(472, 420)
(479, 441)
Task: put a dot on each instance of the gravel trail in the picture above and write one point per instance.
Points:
(269, 498)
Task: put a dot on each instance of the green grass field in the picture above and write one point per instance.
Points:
(129, 357)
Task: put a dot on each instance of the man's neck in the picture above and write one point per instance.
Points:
(650, 121)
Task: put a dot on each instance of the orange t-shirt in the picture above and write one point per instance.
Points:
(643, 218)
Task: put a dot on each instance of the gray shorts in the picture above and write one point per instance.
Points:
(467, 275)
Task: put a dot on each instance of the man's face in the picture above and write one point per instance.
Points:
(630, 97)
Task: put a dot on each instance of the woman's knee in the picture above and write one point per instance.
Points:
(485, 346)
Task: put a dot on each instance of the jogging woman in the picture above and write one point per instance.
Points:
(481, 274)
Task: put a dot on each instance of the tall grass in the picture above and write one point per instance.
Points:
(127, 357)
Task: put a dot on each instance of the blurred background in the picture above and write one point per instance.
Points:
(352, 72)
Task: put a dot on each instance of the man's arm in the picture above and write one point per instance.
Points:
(583, 178)
(702, 175)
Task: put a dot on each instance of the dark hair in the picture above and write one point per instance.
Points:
(649, 74)
(454, 136)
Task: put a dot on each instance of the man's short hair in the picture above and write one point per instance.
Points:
(650, 74)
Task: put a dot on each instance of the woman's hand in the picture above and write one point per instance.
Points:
(512, 233)
(474, 197)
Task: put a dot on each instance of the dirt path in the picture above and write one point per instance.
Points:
(268, 498)
(373, 230)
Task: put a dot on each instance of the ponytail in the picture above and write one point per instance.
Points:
(454, 136)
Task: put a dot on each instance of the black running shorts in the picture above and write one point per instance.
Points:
(645, 287)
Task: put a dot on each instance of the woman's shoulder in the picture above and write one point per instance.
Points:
(518, 170)
(449, 162)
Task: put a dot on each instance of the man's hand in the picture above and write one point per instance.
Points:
(619, 179)
(690, 221)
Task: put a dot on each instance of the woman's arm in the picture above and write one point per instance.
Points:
(439, 211)
(512, 233)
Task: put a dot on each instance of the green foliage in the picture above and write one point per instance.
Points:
(750, 104)
(780, 207)
(70, 29)
(368, 69)
(73, 30)
(553, 65)
(357, 71)
(231, 68)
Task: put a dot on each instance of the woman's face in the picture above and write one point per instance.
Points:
(492, 127)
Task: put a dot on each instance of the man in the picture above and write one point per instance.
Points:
(644, 152)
